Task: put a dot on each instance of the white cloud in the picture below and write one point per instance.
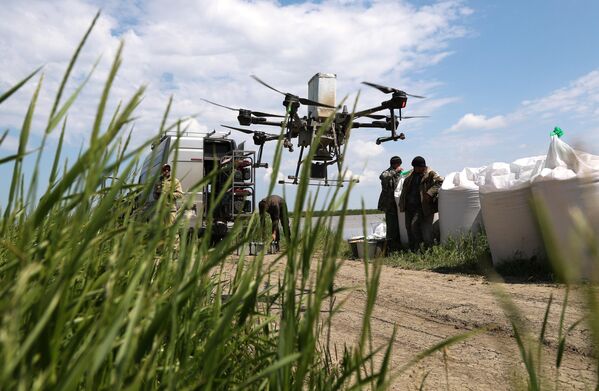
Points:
(579, 99)
(268, 174)
(364, 150)
(472, 121)
(368, 178)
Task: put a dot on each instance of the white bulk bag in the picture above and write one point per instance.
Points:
(569, 181)
(459, 204)
(505, 197)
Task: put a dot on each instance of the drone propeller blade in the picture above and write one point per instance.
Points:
(262, 114)
(269, 136)
(415, 116)
(303, 101)
(246, 131)
(383, 89)
(388, 90)
(219, 105)
(266, 85)
(309, 102)
(254, 113)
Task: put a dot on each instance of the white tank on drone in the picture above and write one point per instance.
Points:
(322, 88)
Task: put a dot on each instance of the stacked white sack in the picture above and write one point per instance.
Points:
(403, 231)
(568, 185)
(459, 203)
(505, 198)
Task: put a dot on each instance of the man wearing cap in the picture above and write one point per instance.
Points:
(418, 200)
(171, 188)
(389, 180)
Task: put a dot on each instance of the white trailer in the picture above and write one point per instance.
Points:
(193, 157)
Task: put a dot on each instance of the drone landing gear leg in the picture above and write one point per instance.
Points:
(259, 162)
(338, 157)
(393, 123)
(299, 162)
(394, 136)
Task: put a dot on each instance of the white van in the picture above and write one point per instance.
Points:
(196, 156)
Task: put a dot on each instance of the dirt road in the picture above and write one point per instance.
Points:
(428, 307)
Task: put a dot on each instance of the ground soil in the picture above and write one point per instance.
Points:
(428, 307)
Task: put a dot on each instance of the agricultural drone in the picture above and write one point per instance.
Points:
(321, 105)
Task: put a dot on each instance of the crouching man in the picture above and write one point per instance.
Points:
(276, 208)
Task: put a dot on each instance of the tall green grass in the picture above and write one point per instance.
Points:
(467, 254)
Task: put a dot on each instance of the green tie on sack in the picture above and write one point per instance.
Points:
(557, 131)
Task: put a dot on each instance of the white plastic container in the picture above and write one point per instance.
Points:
(255, 248)
(322, 88)
(360, 247)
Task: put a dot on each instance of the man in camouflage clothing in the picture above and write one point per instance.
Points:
(418, 200)
(171, 188)
(389, 180)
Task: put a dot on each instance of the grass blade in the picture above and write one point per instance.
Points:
(17, 86)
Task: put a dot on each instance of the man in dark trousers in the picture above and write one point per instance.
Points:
(389, 180)
(276, 207)
(418, 200)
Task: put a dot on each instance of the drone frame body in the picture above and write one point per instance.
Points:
(329, 147)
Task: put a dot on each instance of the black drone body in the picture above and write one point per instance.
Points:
(304, 129)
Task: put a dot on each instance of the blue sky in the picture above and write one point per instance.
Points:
(498, 75)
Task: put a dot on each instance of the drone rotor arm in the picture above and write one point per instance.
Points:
(376, 116)
(374, 124)
(271, 137)
(268, 123)
(366, 112)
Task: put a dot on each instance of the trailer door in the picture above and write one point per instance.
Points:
(189, 168)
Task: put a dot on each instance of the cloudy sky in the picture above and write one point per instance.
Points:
(497, 76)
